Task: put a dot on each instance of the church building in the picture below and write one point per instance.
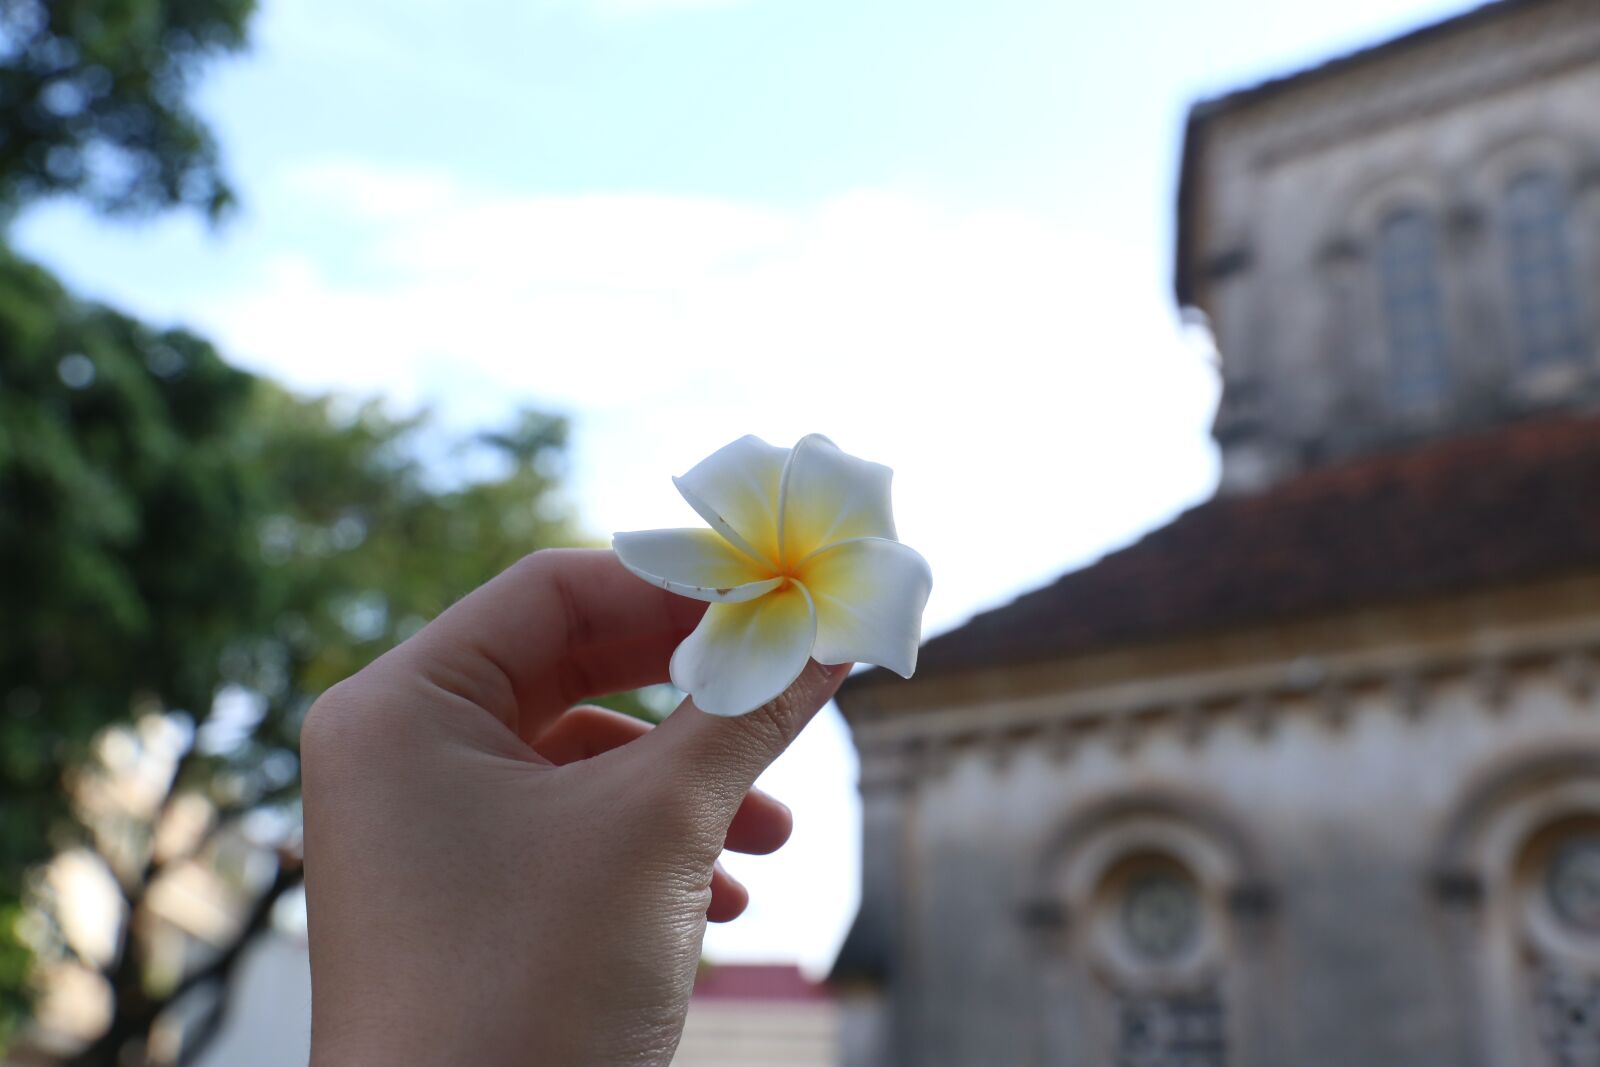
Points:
(1309, 777)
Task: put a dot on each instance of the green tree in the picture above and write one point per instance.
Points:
(188, 554)
(94, 101)
(119, 519)
(173, 529)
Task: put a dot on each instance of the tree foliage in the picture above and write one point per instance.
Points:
(188, 554)
(119, 519)
(173, 529)
(94, 101)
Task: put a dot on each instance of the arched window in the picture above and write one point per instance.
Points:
(1548, 316)
(1409, 273)
(1561, 915)
(1156, 923)
(1526, 847)
(1146, 894)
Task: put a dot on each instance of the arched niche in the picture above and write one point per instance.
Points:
(1149, 910)
(1545, 324)
(1394, 323)
(1518, 878)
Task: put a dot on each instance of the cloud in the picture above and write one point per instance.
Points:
(370, 194)
(1031, 386)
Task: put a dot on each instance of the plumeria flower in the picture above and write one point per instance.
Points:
(800, 563)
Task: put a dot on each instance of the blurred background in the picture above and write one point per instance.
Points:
(1237, 362)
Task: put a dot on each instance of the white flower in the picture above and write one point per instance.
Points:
(801, 562)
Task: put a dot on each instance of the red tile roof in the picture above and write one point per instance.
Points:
(1509, 505)
(767, 982)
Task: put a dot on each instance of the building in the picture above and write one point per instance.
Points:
(1311, 775)
(740, 1014)
(766, 1014)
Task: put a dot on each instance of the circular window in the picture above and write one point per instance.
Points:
(1161, 914)
(1572, 883)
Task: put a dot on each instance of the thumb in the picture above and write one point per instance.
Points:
(728, 754)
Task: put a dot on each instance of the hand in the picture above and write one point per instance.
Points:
(494, 876)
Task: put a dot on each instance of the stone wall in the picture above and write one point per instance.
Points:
(1292, 186)
(1337, 851)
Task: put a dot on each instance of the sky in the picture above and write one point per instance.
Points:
(938, 231)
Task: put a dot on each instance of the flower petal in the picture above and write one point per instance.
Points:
(828, 496)
(693, 563)
(735, 489)
(869, 594)
(743, 655)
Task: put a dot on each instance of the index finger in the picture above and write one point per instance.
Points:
(559, 627)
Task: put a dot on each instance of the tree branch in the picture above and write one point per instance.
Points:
(153, 865)
(206, 1030)
(221, 967)
(136, 1012)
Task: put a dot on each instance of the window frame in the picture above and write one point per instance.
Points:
(1411, 294)
(1546, 313)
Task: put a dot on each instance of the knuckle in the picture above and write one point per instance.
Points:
(542, 561)
(536, 569)
(758, 738)
(534, 561)
(547, 572)
(591, 718)
(325, 729)
(339, 723)
(326, 719)
(771, 727)
(682, 809)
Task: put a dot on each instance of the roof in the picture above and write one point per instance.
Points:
(1205, 111)
(764, 982)
(1510, 505)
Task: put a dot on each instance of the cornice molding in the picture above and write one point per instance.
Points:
(1402, 88)
(898, 752)
(1400, 635)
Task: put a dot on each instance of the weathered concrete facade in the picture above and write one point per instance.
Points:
(1356, 802)
(1287, 191)
(1317, 829)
